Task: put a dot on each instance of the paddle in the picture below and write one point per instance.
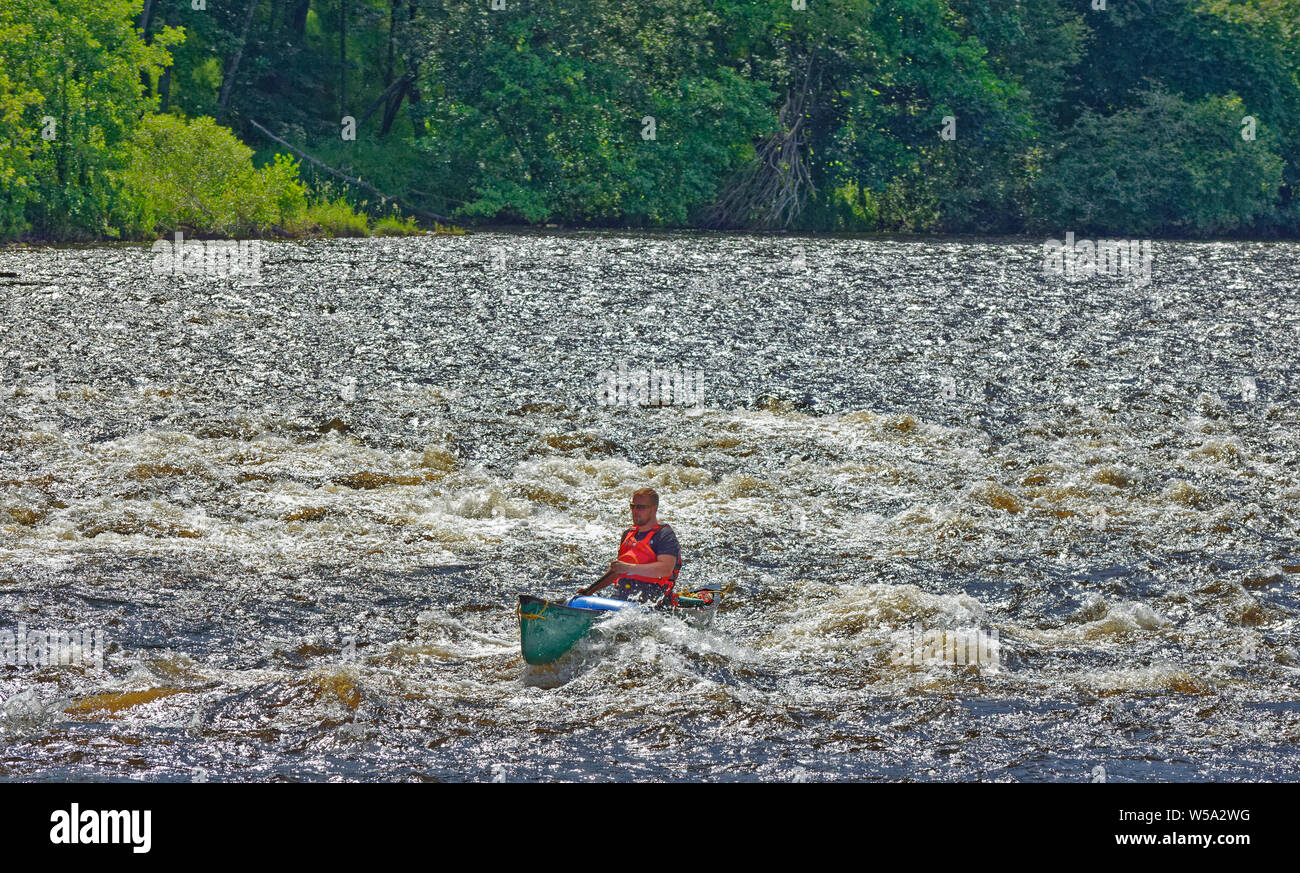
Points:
(597, 585)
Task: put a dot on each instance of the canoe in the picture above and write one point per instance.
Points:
(550, 628)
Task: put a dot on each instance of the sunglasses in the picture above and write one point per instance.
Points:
(640, 505)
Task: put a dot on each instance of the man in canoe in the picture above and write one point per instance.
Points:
(649, 557)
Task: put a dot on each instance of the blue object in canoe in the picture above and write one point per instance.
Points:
(604, 604)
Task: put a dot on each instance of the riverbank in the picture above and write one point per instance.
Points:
(416, 229)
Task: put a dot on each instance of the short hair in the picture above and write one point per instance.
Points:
(647, 492)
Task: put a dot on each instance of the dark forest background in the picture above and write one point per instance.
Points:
(129, 118)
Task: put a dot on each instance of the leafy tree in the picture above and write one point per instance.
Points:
(540, 113)
(1164, 166)
(70, 94)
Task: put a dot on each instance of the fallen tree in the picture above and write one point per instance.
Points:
(771, 192)
(423, 213)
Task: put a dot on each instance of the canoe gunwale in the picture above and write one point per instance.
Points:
(560, 605)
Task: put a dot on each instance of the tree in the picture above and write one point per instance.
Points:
(1164, 166)
(71, 95)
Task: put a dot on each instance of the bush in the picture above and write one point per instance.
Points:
(392, 225)
(333, 218)
(197, 175)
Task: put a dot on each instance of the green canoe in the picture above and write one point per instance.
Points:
(549, 628)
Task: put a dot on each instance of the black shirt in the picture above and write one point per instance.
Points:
(664, 542)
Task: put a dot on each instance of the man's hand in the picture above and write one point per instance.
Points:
(620, 568)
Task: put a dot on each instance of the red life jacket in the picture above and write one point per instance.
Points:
(638, 551)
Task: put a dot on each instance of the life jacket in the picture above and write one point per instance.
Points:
(638, 551)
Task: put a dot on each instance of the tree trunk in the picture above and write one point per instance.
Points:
(413, 91)
(165, 80)
(391, 100)
(145, 15)
(390, 111)
(772, 191)
(343, 57)
(145, 21)
(298, 24)
(232, 69)
(392, 27)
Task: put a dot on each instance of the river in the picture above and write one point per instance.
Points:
(298, 511)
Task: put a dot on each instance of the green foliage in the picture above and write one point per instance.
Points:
(392, 225)
(704, 130)
(197, 175)
(933, 69)
(70, 95)
(1201, 49)
(845, 209)
(1037, 44)
(1065, 116)
(1164, 166)
(332, 218)
(540, 115)
(389, 164)
(16, 172)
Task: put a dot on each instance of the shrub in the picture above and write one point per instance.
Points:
(197, 175)
(334, 218)
(392, 225)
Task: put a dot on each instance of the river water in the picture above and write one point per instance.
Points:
(299, 511)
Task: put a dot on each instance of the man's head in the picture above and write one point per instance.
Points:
(645, 506)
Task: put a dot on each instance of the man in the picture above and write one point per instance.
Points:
(649, 557)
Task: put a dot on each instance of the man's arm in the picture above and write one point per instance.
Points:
(667, 550)
(616, 569)
(660, 569)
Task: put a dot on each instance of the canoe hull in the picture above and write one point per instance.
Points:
(548, 628)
